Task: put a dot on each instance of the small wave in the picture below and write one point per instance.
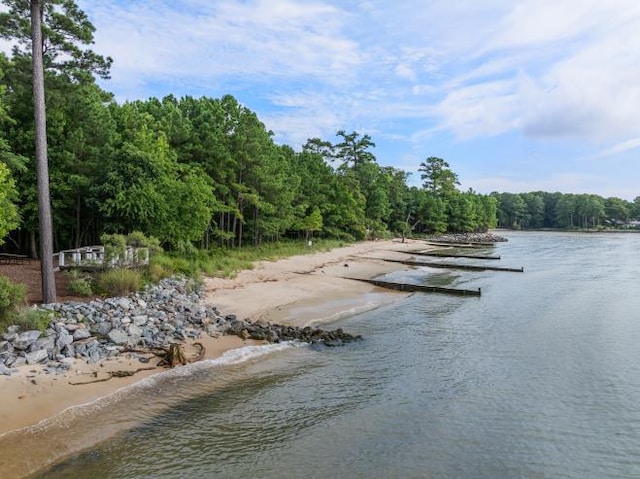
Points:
(381, 299)
(229, 358)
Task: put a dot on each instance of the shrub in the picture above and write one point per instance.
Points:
(28, 319)
(119, 281)
(156, 272)
(115, 246)
(138, 239)
(79, 283)
(12, 295)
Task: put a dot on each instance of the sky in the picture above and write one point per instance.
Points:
(516, 96)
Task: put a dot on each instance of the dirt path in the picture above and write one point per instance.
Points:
(28, 273)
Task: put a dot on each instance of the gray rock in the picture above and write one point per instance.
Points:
(140, 320)
(64, 339)
(69, 351)
(118, 336)
(36, 357)
(81, 333)
(101, 328)
(5, 371)
(20, 361)
(47, 343)
(6, 347)
(26, 339)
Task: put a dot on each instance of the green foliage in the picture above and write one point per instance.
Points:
(64, 28)
(558, 210)
(115, 246)
(119, 281)
(79, 283)
(28, 319)
(12, 296)
(438, 177)
(9, 218)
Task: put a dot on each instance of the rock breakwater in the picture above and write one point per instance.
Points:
(469, 238)
(162, 314)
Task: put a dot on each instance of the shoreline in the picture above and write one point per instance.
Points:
(296, 291)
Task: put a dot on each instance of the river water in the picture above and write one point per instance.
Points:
(537, 378)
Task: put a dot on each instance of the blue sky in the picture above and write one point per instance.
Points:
(516, 95)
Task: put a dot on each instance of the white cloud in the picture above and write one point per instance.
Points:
(547, 72)
(621, 147)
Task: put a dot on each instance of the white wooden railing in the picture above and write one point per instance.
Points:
(94, 256)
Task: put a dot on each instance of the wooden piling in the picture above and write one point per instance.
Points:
(467, 267)
(445, 255)
(419, 288)
(459, 245)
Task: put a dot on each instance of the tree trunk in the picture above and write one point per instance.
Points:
(42, 167)
(33, 247)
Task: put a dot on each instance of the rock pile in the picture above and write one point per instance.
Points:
(470, 238)
(162, 314)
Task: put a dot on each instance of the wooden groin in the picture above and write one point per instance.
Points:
(459, 245)
(445, 255)
(419, 288)
(467, 267)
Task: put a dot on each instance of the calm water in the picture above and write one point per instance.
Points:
(538, 378)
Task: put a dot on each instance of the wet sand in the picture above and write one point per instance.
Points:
(300, 290)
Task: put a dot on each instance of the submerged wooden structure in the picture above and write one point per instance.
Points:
(452, 244)
(447, 255)
(408, 287)
(467, 267)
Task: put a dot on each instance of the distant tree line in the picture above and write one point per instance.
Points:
(564, 210)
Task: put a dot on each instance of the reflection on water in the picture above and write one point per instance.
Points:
(540, 377)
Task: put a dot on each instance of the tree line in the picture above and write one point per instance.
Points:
(206, 172)
(564, 210)
(188, 171)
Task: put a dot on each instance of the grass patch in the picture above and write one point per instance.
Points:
(226, 263)
(12, 297)
(79, 283)
(29, 319)
(119, 281)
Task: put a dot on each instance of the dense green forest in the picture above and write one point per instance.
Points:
(563, 210)
(206, 171)
(190, 171)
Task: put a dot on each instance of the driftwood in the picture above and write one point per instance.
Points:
(172, 356)
(112, 374)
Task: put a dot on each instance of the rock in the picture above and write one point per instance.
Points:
(20, 361)
(64, 338)
(5, 371)
(81, 333)
(6, 347)
(140, 320)
(48, 344)
(26, 339)
(101, 328)
(118, 336)
(36, 357)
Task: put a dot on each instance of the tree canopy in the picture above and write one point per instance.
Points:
(207, 171)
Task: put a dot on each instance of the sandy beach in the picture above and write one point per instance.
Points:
(300, 290)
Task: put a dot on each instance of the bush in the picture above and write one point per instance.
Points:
(156, 272)
(28, 319)
(119, 281)
(79, 283)
(138, 239)
(115, 246)
(11, 296)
